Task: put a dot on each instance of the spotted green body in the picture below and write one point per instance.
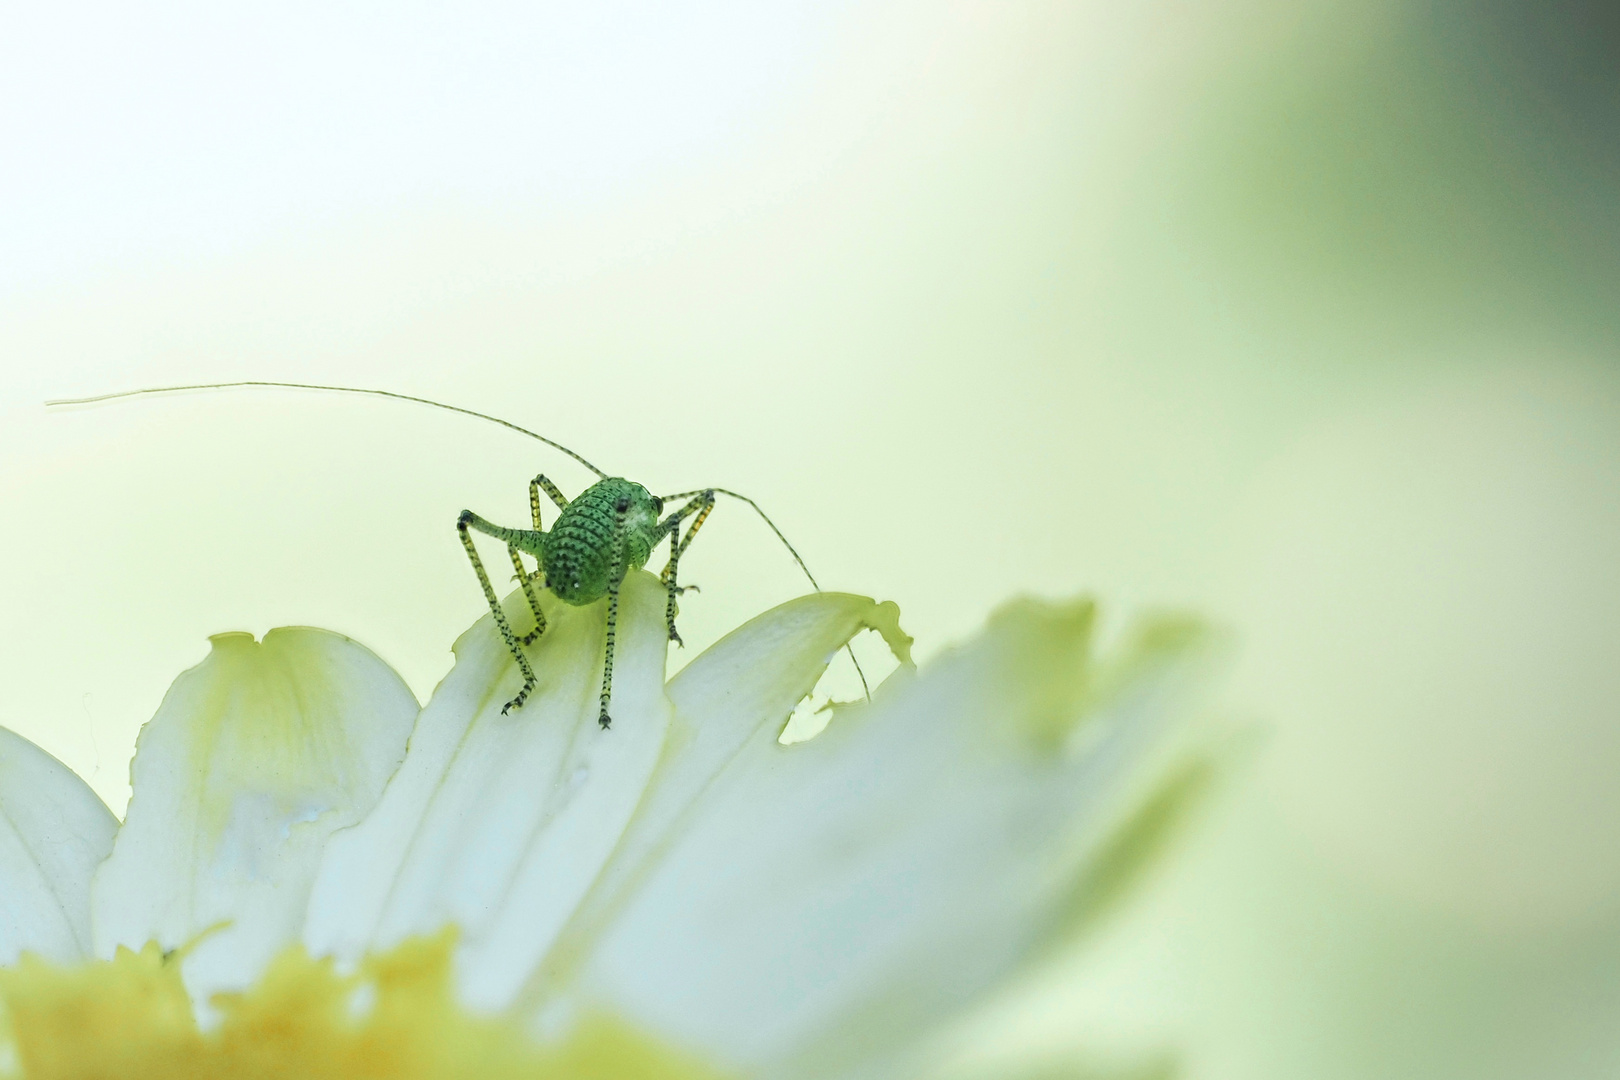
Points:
(594, 543)
(607, 531)
(610, 529)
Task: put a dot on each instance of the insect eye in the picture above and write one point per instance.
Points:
(623, 505)
(658, 505)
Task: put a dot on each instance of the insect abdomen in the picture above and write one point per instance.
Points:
(579, 549)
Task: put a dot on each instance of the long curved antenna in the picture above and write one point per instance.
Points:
(796, 558)
(339, 390)
(465, 412)
(761, 513)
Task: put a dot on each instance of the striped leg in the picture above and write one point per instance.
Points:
(703, 504)
(534, 497)
(602, 717)
(527, 580)
(672, 590)
(466, 519)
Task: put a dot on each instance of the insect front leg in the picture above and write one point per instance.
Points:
(702, 504)
(470, 519)
(602, 716)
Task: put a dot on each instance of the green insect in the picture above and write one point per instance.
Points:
(606, 531)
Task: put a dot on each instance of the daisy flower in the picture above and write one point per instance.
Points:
(316, 877)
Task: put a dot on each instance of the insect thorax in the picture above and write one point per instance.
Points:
(579, 548)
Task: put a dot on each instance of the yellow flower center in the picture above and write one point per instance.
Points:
(130, 1018)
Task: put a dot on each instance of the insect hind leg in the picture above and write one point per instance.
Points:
(703, 504)
(551, 489)
(527, 580)
(470, 519)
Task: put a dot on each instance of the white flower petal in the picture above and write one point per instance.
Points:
(746, 683)
(827, 903)
(54, 832)
(254, 758)
(499, 824)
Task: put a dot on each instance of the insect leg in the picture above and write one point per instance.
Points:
(614, 582)
(523, 575)
(707, 499)
(672, 589)
(607, 660)
(703, 504)
(672, 527)
(527, 580)
(534, 496)
(469, 518)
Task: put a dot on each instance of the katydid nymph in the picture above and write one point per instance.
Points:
(598, 537)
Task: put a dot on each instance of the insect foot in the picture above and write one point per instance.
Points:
(517, 702)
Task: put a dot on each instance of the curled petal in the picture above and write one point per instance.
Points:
(256, 756)
(54, 832)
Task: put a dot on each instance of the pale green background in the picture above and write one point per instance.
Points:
(1299, 315)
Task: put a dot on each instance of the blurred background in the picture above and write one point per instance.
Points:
(1300, 315)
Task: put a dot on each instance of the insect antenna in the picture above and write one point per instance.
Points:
(791, 551)
(338, 390)
(465, 412)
